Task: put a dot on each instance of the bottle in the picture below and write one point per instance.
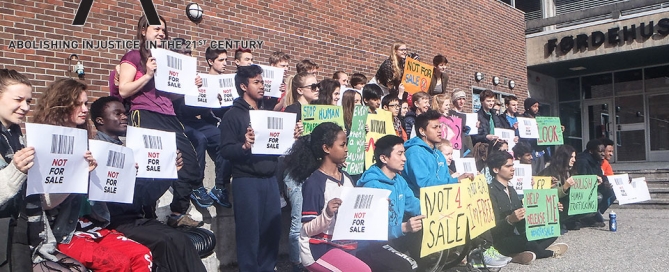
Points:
(613, 224)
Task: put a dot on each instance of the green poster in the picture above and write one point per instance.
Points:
(550, 131)
(355, 162)
(313, 115)
(542, 217)
(583, 195)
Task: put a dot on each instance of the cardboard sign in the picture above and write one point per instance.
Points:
(465, 165)
(204, 96)
(542, 217)
(480, 214)
(472, 119)
(522, 177)
(273, 130)
(542, 182)
(355, 161)
(550, 131)
(527, 128)
(451, 130)
(363, 214)
(113, 180)
(155, 152)
(583, 195)
(417, 76)
(59, 165)
(176, 72)
(314, 115)
(445, 223)
(273, 78)
(641, 187)
(380, 124)
(507, 135)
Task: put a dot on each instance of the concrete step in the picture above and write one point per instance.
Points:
(654, 203)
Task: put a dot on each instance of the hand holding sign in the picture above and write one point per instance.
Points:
(151, 66)
(414, 224)
(92, 163)
(333, 206)
(23, 159)
(250, 138)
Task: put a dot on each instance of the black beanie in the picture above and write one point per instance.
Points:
(529, 102)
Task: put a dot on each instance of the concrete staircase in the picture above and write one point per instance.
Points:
(658, 185)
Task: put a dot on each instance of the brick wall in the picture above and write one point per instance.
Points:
(354, 36)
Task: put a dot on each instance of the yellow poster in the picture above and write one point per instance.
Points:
(417, 76)
(445, 223)
(379, 125)
(479, 208)
(539, 183)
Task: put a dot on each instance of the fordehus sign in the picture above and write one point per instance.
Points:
(613, 36)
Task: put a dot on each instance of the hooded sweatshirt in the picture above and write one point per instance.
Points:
(233, 128)
(401, 198)
(425, 166)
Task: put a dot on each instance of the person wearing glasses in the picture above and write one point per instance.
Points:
(390, 72)
(392, 104)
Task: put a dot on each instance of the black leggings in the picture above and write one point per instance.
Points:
(189, 175)
(515, 244)
(382, 257)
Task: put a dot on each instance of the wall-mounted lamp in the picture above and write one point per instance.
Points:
(194, 12)
(478, 76)
(512, 84)
(495, 80)
(78, 66)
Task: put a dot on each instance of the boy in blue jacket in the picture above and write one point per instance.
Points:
(426, 165)
(390, 160)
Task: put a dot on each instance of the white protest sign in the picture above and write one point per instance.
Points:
(363, 215)
(175, 73)
(527, 128)
(625, 192)
(472, 118)
(641, 187)
(522, 177)
(273, 130)
(465, 165)
(113, 180)
(457, 154)
(226, 84)
(59, 164)
(506, 134)
(273, 77)
(155, 152)
(207, 96)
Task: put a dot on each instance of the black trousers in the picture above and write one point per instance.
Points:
(189, 175)
(514, 244)
(15, 254)
(172, 250)
(381, 257)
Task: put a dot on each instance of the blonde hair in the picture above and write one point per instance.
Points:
(288, 98)
(438, 101)
(397, 72)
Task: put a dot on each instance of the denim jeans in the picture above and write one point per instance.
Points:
(294, 192)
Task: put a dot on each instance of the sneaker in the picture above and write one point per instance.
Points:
(220, 195)
(183, 220)
(525, 257)
(558, 249)
(201, 198)
(493, 258)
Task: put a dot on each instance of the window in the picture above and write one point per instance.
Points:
(476, 100)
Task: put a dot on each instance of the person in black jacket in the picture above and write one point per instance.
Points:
(256, 193)
(488, 119)
(589, 162)
(539, 153)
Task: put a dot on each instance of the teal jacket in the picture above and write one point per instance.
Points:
(401, 198)
(425, 166)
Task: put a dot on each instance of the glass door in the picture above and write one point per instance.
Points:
(658, 127)
(630, 129)
(597, 120)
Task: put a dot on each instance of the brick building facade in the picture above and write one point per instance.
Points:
(355, 36)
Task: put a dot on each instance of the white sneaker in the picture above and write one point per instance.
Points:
(493, 258)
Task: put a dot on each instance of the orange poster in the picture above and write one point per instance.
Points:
(417, 76)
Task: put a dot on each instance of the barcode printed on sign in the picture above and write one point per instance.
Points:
(267, 74)
(115, 159)
(204, 83)
(363, 202)
(378, 126)
(174, 62)
(506, 134)
(618, 181)
(226, 82)
(62, 144)
(274, 123)
(468, 167)
(520, 172)
(527, 122)
(152, 142)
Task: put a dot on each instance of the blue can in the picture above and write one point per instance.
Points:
(613, 224)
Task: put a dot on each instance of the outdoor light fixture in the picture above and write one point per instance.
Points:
(512, 84)
(495, 80)
(194, 12)
(478, 76)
